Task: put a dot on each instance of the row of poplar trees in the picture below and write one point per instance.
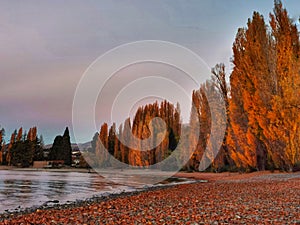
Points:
(262, 101)
(261, 108)
(133, 133)
(23, 148)
(264, 105)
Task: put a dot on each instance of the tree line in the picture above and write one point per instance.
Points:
(263, 98)
(261, 107)
(134, 133)
(260, 104)
(23, 148)
(264, 104)
(26, 147)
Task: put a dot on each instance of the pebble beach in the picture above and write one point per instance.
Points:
(226, 198)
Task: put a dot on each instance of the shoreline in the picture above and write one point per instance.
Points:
(227, 176)
(211, 176)
(55, 205)
(71, 169)
(251, 198)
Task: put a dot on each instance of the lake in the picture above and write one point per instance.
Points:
(20, 189)
(33, 188)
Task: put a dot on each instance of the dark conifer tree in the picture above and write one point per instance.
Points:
(61, 148)
(67, 148)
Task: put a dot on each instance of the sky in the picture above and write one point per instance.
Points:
(46, 46)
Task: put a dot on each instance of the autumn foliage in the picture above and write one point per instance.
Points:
(259, 110)
(264, 107)
(261, 107)
(22, 150)
(125, 144)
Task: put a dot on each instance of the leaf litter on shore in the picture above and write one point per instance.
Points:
(258, 199)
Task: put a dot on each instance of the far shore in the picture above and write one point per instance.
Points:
(64, 169)
(208, 176)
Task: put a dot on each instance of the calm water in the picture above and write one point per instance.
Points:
(33, 188)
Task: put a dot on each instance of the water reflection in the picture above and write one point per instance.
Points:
(56, 188)
(32, 188)
(15, 187)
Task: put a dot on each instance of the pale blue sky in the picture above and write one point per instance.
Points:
(45, 46)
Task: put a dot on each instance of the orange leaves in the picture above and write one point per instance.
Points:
(132, 138)
(233, 199)
(264, 85)
(32, 134)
